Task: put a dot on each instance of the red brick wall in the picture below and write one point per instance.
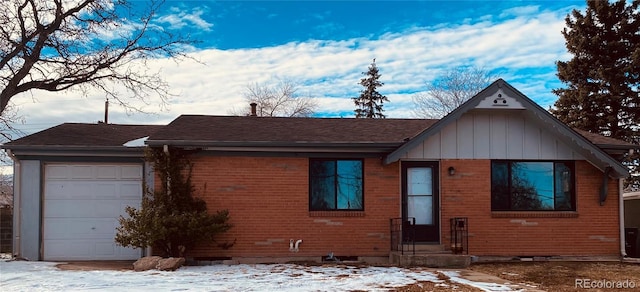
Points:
(591, 230)
(268, 200)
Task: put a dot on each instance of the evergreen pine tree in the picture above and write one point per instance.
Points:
(369, 103)
(603, 77)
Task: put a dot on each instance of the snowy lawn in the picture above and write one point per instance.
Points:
(44, 276)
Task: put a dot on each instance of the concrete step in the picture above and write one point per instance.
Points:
(431, 260)
(425, 248)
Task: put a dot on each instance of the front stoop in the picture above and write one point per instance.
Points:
(430, 260)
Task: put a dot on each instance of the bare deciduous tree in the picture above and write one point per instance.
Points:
(57, 45)
(277, 98)
(451, 90)
(8, 118)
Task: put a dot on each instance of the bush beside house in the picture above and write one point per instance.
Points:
(6, 219)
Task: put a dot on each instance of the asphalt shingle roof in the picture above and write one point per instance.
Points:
(201, 128)
(77, 134)
(602, 140)
(277, 129)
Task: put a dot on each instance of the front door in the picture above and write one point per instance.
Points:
(420, 199)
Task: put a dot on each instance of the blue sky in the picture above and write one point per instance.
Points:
(256, 24)
(324, 46)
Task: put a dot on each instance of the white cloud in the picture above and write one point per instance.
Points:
(180, 18)
(525, 48)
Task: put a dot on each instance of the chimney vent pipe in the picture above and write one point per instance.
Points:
(253, 109)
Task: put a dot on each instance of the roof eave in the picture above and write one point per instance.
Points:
(271, 144)
(59, 150)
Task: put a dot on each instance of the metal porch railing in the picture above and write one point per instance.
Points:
(403, 234)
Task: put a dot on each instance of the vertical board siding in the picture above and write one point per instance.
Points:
(515, 137)
(432, 146)
(449, 142)
(532, 140)
(493, 136)
(482, 136)
(498, 125)
(465, 137)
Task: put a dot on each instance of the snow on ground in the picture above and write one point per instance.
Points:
(44, 276)
(455, 277)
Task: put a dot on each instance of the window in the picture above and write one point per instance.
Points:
(532, 186)
(335, 184)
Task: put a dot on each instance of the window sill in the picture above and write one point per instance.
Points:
(534, 214)
(336, 213)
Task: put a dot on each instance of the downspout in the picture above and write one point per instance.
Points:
(16, 204)
(149, 181)
(165, 148)
(605, 188)
(623, 251)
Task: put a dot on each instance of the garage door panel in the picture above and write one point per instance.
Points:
(68, 208)
(60, 190)
(107, 172)
(105, 249)
(82, 172)
(131, 172)
(87, 208)
(91, 189)
(80, 228)
(63, 249)
(105, 190)
(130, 190)
(56, 190)
(56, 171)
(81, 209)
(88, 249)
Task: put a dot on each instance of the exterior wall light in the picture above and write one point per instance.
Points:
(452, 171)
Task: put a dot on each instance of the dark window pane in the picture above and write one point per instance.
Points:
(500, 186)
(349, 184)
(335, 184)
(537, 186)
(563, 187)
(532, 186)
(323, 182)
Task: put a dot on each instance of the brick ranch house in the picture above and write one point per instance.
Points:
(527, 184)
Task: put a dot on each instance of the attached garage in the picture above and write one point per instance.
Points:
(71, 184)
(82, 204)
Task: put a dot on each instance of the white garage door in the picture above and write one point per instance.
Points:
(82, 204)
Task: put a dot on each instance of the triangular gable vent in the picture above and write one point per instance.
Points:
(499, 100)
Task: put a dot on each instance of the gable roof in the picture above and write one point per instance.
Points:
(501, 94)
(77, 135)
(200, 130)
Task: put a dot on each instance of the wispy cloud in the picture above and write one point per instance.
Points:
(179, 18)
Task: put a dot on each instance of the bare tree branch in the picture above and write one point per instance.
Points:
(102, 44)
(277, 98)
(7, 120)
(450, 90)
